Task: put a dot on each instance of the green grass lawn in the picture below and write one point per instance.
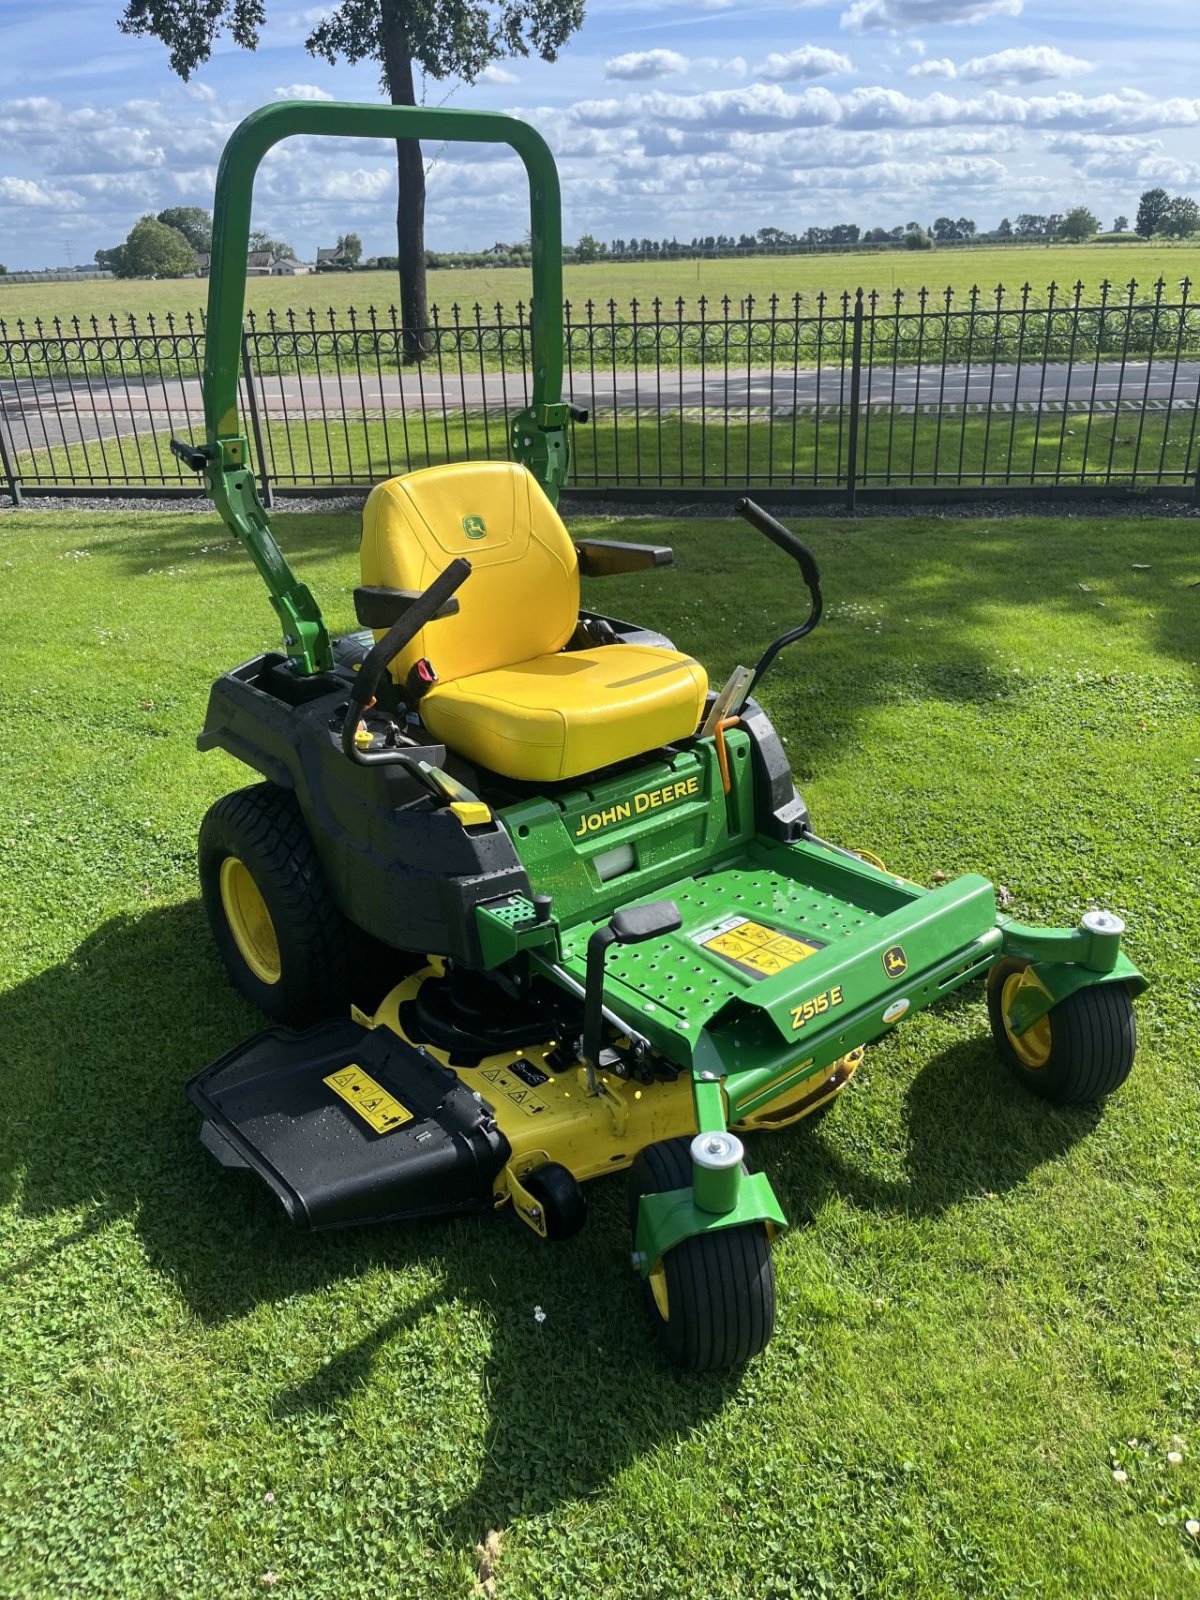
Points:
(987, 1307)
(760, 276)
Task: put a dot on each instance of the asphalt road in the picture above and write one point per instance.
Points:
(55, 412)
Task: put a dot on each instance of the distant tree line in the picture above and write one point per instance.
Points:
(1158, 214)
(168, 245)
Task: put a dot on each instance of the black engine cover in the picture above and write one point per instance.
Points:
(397, 1135)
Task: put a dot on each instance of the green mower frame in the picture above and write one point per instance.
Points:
(626, 968)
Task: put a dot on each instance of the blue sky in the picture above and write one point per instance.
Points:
(667, 116)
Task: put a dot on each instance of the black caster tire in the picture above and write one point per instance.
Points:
(286, 946)
(563, 1202)
(712, 1298)
(1080, 1051)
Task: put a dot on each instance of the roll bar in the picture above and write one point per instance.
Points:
(538, 435)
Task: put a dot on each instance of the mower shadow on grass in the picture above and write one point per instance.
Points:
(573, 1398)
(971, 1132)
(117, 1029)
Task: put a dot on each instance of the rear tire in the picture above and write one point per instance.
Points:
(285, 944)
(1080, 1051)
(712, 1298)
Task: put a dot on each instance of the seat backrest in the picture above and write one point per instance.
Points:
(522, 598)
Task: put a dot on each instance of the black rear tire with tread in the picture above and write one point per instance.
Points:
(720, 1286)
(262, 826)
(1093, 1037)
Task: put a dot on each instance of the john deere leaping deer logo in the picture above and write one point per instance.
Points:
(895, 962)
(474, 527)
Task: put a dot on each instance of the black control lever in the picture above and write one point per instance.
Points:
(192, 455)
(403, 631)
(785, 540)
(632, 926)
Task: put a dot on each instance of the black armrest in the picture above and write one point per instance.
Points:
(377, 607)
(601, 558)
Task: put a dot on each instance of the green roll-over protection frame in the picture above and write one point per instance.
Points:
(538, 435)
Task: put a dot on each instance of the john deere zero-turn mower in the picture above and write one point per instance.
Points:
(609, 935)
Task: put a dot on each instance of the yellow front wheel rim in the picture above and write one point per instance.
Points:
(249, 921)
(1033, 1046)
(658, 1288)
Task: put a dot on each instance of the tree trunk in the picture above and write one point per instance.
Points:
(410, 200)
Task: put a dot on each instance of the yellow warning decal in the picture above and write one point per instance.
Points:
(370, 1099)
(512, 1088)
(762, 952)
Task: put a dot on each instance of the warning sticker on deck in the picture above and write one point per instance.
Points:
(512, 1088)
(370, 1099)
(762, 952)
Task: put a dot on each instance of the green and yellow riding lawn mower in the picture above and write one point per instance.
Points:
(604, 931)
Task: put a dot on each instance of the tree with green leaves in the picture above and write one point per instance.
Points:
(1182, 219)
(349, 249)
(589, 248)
(279, 248)
(153, 250)
(193, 222)
(1079, 224)
(1120, 224)
(439, 38)
(1151, 212)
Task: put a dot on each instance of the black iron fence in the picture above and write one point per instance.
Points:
(834, 395)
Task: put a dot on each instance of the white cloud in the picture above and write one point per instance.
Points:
(1029, 64)
(935, 67)
(809, 61)
(302, 91)
(1167, 169)
(767, 106)
(362, 184)
(495, 74)
(639, 65)
(900, 15)
(24, 192)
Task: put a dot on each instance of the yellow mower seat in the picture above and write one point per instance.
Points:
(508, 696)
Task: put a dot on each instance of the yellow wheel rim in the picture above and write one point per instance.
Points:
(658, 1288)
(249, 920)
(1033, 1046)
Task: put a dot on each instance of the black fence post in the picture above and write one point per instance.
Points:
(268, 493)
(8, 461)
(855, 393)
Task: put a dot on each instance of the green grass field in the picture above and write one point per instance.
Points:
(988, 1309)
(759, 276)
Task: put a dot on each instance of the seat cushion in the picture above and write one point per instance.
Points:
(560, 715)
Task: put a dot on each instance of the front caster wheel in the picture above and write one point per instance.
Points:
(712, 1298)
(563, 1202)
(1081, 1050)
